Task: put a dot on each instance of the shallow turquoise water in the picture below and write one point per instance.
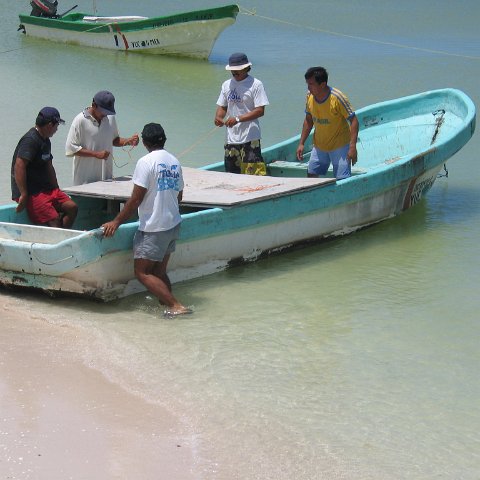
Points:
(357, 358)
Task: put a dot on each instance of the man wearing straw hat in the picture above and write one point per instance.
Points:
(241, 103)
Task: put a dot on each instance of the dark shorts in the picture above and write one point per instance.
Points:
(43, 207)
(245, 158)
(155, 245)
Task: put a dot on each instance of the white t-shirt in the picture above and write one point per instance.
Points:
(161, 174)
(86, 132)
(240, 98)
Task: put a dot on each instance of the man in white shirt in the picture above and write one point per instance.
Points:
(241, 103)
(157, 191)
(90, 139)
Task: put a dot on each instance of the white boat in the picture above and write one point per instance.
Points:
(191, 34)
(228, 218)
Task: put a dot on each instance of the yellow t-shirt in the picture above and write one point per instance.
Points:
(332, 130)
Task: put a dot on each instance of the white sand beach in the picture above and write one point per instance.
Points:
(63, 420)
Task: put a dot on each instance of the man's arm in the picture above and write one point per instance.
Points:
(100, 154)
(246, 117)
(220, 115)
(128, 210)
(73, 144)
(20, 172)
(306, 129)
(122, 142)
(52, 175)
(352, 150)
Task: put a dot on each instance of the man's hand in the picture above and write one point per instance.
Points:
(22, 203)
(352, 154)
(110, 228)
(218, 122)
(133, 140)
(300, 149)
(230, 122)
(102, 154)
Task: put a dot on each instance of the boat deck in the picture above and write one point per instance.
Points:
(204, 188)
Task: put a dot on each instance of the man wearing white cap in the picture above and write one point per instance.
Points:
(241, 103)
(90, 139)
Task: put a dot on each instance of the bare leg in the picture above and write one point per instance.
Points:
(56, 222)
(69, 209)
(153, 275)
(160, 271)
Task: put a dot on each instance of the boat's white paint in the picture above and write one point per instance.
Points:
(194, 39)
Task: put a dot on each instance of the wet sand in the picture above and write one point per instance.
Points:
(60, 419)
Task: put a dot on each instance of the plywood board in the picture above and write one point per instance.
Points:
(208, 188)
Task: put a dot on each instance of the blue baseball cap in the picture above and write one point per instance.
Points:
(105, 102)
(49, 114)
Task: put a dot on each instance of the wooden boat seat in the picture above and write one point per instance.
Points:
(282, 168)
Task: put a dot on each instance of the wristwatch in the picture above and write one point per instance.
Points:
(237, 119)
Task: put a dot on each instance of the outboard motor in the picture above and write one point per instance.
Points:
(44, 8)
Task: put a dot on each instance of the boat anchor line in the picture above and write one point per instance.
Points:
(253, 13)
(439, 119)
(440, 175)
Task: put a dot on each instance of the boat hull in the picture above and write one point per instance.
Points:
(192, 34)
(214, 238)
(214, 251)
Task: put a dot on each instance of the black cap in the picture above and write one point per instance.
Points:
(47, 115)
(153, 134)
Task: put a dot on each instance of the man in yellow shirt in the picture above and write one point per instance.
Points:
(336, 127)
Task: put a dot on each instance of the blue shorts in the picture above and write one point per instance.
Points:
(155, 245)
(320, 161)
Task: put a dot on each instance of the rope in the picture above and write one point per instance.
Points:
(129, 155)
(200, 140)
(245, 11)
(181, 154)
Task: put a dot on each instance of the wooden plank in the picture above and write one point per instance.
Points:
(209, 188)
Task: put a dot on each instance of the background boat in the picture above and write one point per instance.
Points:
(191, 34)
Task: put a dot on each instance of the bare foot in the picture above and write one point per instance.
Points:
(175, 312)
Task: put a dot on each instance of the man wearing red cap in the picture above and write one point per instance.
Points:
(33, 178)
